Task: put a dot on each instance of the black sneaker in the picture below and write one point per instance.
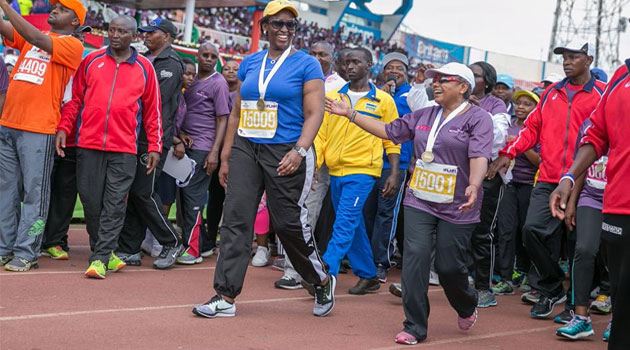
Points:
(287, 282)
(564, 317)
(365, 285)
(325, 297)
(395, 289)
(167, 256)
(130, 259)
(544, 306)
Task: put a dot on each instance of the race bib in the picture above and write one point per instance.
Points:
(33, 66)
(256, 123)
(596, 174)
(434, 182)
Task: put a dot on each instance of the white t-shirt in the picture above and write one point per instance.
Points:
(355, 96)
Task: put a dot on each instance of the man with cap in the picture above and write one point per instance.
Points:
(504, 91)
(382, 206)
(144, 207)
(575, 97)
(27, 126)
(63, 187)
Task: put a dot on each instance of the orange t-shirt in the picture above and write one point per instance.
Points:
(38, 81)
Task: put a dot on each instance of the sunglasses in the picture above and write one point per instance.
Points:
(277, 24)
(444, 80)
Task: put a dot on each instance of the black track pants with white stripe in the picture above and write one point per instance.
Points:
(253, 169)
(483, 236)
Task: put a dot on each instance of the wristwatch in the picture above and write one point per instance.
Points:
(300, 150)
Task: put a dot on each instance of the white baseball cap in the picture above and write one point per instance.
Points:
(10, 60)
(454, 69)
(576, 46)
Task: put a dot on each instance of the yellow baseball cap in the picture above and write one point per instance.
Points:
(527, 93)
(276, 6)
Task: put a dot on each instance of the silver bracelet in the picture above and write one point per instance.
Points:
(354, 115)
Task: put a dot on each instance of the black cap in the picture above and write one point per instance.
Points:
(162, 24)
(83, 29)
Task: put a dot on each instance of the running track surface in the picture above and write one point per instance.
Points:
(55, 307)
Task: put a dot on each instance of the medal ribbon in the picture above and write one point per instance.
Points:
(262, 82)
(435, 129)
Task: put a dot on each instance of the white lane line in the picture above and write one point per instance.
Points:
(180, 306)
(34, 273)
(476, 337)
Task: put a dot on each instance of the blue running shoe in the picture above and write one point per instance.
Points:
(606, 335)
(579, 327)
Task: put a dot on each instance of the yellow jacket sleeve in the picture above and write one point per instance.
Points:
(320, 140)
(390, 113)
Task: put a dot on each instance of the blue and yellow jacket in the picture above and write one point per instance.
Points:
(346, 148)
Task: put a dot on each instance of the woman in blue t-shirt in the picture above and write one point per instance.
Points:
(277, 111)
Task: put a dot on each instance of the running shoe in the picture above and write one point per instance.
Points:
(56, 253)
(525, 287)
(188, 259)
(503, 288)
(544, 307)
(168, 256)
(381, 273)
(485, 298)
(4, 259)
(115, 263)
(564, 317)
(309, 287)
(215, 307)
(130, 259)
(20, 265)
(468, 322)
(287, 282)
(96, 270)
(325, 297)
(602, 305)
(405, 338)
(365, 285)
(208, 253)
(395, 289)
(517, 277)
(531, 297)
(278, 264)
(606, 334)
(434, 279)
(262, 256)
(579, 327)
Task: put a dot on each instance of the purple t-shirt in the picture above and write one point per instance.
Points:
(232, 99)
(592, 194)
(205, 100)
(524, 171)
(466, 136)
(492, 104)
(4, 77)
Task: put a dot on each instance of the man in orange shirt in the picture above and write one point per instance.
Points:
(28, 125)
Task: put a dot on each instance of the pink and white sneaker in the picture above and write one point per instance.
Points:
(467, 323)
(405, 338)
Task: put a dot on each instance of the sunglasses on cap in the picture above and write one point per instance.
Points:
(277, 24)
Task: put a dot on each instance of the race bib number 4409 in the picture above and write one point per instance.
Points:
(434, 182)
(33, 67)
(258, 123)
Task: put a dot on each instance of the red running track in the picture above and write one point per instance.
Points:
(55, 307)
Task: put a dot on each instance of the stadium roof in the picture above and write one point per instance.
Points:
(170, 4)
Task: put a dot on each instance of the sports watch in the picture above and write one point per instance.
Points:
(300, 150)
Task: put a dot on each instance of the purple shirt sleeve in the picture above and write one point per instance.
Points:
(402, 129)
(181, 113)
(481, 137)
(221, 98)
(4, 77)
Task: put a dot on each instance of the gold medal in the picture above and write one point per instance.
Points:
(427, 156)
(260, 104)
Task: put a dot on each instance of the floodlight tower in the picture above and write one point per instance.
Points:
(597, 21)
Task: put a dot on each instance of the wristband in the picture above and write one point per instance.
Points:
(354, 115)
(569, 177)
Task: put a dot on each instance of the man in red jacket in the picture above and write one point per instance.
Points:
(554, 124)
(609, 134)
(115, 89)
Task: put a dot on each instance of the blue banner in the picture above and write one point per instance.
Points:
(433, 51)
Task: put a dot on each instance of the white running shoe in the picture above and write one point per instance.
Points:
(216, 307)
(262, 257)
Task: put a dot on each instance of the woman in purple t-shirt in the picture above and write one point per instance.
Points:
(452, 142)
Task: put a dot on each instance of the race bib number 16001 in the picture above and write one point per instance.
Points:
(434, 182)
(33, 67)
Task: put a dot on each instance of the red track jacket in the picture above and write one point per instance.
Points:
(111, 102)
(610, 130)
(555, 124)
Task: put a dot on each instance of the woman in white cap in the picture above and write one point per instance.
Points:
(277, 112)
(453, 142)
